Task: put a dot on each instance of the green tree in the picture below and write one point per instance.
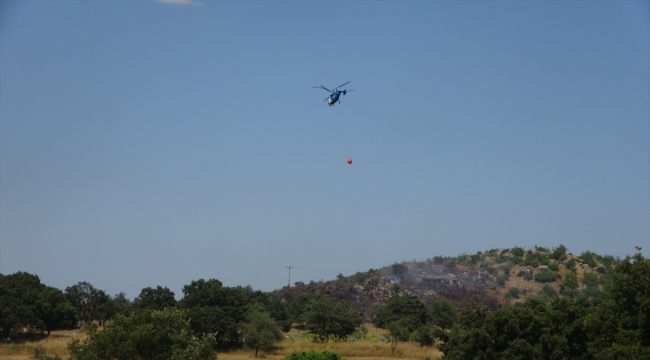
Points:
(147, 334)
(260, 331)
(425, 336)
(559, 253)
(570, 282)
(397, 331)
(55, 310)
(620, 326)
(323, 318)
(408, 309)
(443, 313)
(214, 308)
(120, 303)
(155, 299)
(19, 295)
(90, 303)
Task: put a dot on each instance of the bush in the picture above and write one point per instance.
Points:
(145, 334)
(547, 290)
(313, 355)
(424, 336)
(559, 253)
(502, 279)
(590, 279)
(506, 268)
(570, 281)
(571, 264)
(571, 293)
(513, 292)
(531, 261)
(554, 267)
(588, 258)
(546, 276)
(517, 251)
(592, 292)
(527, 275)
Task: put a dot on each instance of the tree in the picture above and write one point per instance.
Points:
(399, 270)
(425, 336)
(55, 310)
(444, 313)
(323, 318)
(146, 334)
(559, 253)
(260, 331)
(120, 303)
(214, 308)
(409, 309)
(155, 299)
(90, 303)
(19, 294)
(620, 326)
(397, 331)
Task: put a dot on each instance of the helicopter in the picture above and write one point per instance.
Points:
(335, 94)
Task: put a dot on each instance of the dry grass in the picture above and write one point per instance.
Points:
(372, 347)
(55, 344)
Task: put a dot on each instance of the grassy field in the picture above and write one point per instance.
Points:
(56, 343)
(370, 348)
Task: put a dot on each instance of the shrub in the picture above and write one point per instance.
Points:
(424, 336)
(588, 258)
(502, 279)
(592, 292)
(559, 253)
(513, 292)
(313, 355)
(531, 261)
(527, 275)
(546, 276)
(517, 251)
(571, 264)
(547, 290)
(590, 279)
(538, 298)
(601, 270)
(570, 281)
(554, 267)
(506, 268)
(571, 293)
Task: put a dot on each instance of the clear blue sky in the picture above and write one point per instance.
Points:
(147, 143)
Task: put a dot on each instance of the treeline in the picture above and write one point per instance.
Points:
(613, 325)
(28, 307)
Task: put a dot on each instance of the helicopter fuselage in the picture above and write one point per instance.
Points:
(334, 98)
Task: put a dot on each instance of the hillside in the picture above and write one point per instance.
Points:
(497, 277)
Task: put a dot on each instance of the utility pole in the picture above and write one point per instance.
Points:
(289, 267)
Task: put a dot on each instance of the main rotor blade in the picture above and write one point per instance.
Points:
(322, 87)
(342, 85)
